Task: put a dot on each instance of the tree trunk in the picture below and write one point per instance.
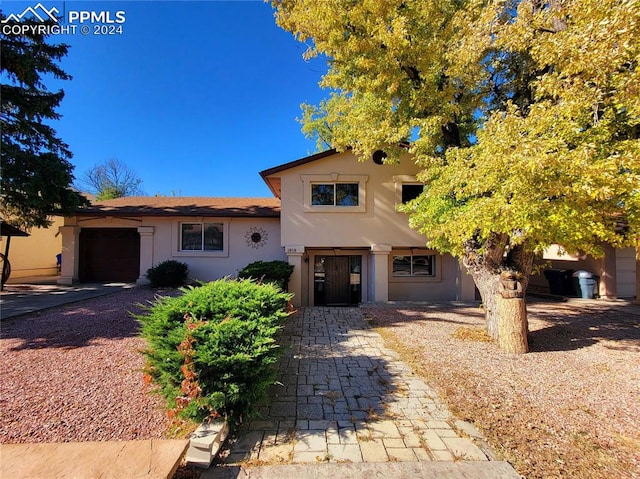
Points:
(512, 324)
(486, 269)
(487, 283)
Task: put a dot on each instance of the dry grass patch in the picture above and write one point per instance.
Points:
(466, 333)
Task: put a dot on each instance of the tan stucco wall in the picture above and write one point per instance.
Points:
(442, 288)
(237, 255)
(374, 229)
(162, 234)
(616, 271)
(380, 223)
(35, 255)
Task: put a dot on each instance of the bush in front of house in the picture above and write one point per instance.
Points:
(168, 274)
(211, 351)
(277, 272)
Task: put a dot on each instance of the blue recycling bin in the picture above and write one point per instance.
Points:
(586, 284)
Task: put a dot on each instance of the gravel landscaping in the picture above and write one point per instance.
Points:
(569, 408)
(73, 373)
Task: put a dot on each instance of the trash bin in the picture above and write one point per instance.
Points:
(559, 281)
(586, 284)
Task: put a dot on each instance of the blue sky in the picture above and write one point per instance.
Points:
(196, 96)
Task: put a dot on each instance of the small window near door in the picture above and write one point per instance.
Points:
(411, 191)
(421, 266)
(355, 278)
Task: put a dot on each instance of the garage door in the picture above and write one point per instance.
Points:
(626, 272)
(109, 254)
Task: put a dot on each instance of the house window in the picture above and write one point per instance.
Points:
(420, 266)
(411, 191)
(201, 236)
(334, 194)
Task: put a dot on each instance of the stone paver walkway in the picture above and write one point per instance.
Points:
(343, 397)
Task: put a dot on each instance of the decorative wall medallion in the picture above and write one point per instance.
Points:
(256, 237)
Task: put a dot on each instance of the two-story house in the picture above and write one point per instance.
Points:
(341, 230)
(333, 217)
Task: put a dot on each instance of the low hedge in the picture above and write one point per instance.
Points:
(210, 351)
(169, 273)
(277, 272)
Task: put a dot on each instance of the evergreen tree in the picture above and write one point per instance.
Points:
(36, 172)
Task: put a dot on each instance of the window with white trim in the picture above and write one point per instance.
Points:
(407, 188)
(334, 194)
(201, 236)
(416, 266)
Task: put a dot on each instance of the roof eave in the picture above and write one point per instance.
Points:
(300, 162)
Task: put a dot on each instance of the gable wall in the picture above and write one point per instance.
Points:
(379, 223)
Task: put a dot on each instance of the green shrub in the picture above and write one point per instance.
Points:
(220, 335)
(169, 273)
(277, 272)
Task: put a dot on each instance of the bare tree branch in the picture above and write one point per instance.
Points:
(111, 179)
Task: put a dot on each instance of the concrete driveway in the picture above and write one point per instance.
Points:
(34, 294)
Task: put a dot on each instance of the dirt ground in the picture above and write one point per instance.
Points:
(569, 408)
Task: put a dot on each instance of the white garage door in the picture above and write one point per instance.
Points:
(626, 272)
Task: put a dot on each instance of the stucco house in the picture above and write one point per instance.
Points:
(334, 218)
(341, 230)
(616, 271)
(119, 240)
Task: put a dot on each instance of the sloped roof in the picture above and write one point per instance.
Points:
(301, 161)
(274, 182)
(184, 206)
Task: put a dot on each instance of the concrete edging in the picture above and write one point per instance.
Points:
(205, 443)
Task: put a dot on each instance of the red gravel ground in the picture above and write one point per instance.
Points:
(570, 408)
(73, 373)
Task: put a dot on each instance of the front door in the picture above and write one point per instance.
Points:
(337, 280)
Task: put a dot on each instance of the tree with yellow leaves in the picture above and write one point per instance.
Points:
(525, 116)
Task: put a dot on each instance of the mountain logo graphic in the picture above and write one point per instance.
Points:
(39, 12)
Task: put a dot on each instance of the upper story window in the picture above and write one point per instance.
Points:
(407, 188)
(201, 236)
(410, 191)
(334, 194)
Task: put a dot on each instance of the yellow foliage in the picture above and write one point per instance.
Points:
(545, 97)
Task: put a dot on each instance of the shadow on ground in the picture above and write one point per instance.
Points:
(334, 381)
(553, 325)
(573, 326)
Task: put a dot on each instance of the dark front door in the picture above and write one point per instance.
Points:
(337, 271)
(109, 254)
